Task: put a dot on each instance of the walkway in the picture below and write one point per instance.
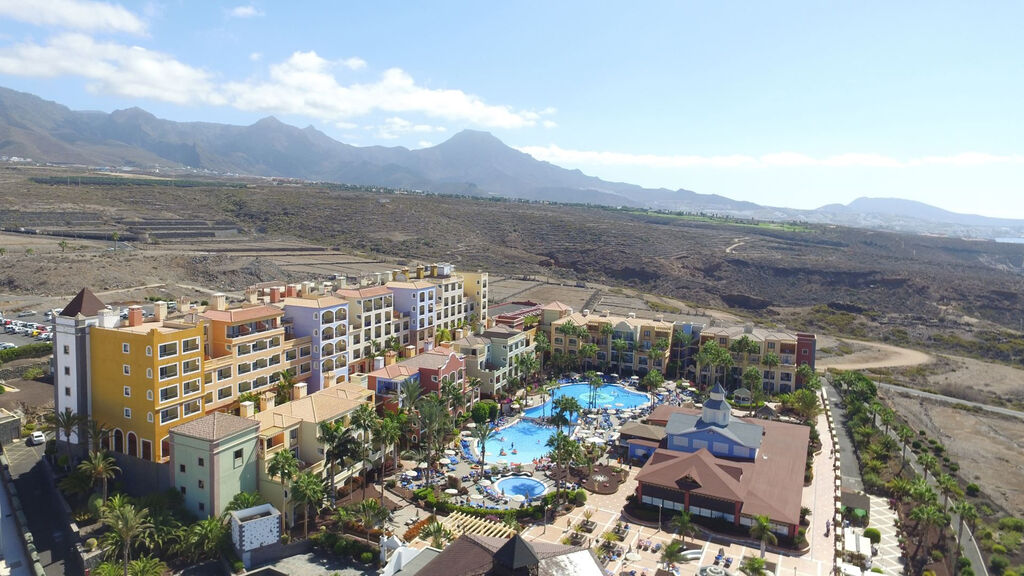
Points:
(950, 400)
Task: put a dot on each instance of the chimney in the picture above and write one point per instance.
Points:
(183, 304)
(134, 315)
(291, 291)
(342, 282)
(308, 288)
(460, 333)
(250, 295)
(218, 301)
(606, 313)
(387, 276)
(632, 314)
(245, 409)
(433, 270)
(428, 346)
(408, 351)
(378, 362)
(586, 312)
(160, 311)
(419, 271)
(326, 288)
(660, 317)
(299, 390)
(266, 401)
(390, 357)
(275, 294)
(748, 328)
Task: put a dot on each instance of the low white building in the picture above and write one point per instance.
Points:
(254, 528)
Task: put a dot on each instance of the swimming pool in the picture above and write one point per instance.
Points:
(526, 438)
(608, 396)
(520, 485)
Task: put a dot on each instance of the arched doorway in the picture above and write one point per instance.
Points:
(133, 444)
(118, 441)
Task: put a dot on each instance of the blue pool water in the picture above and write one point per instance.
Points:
(607, 397)
(520, 485)
(527, 438)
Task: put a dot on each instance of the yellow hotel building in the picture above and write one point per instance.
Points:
(146, 378)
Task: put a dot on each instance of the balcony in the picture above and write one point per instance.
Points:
(787, 359)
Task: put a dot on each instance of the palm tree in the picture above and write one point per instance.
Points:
(683, 525)
(541, 345)
(64, 422)
(436, 533)
(567, 406)
(146, 566)
(761, 530)
(97, 433)
(285, 385)
(753, 566)
(309, 491)
(203, 539)
(126, 523)
(673, 553)
(906, 434)
(388, 433)
(685, 341)
(925, 517)
(99, 467)
(244, 500)
(564, 451)
(588, 352)
(364, 419)
(752, 380)
(948, 486)
(967, 514)
(409, 392)
(619, 346)
(480, 434)
(594, 383)
(928, 462)
(284, 466)
(370, 514)
(771, 361)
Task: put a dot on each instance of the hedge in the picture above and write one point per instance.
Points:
(28, 351)
(535, 511)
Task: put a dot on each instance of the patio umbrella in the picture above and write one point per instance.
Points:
(485, 482)
(518, 498)
(860, 512)
(614, 375)
(594, 440)
(610, 410)
(422, 465)
(466, 432)
(449, 452)
(620, 405)
(515, 405)
(502, 462)
(451, 491)
(471, 425)
(670, 385)
(632, 556)
(592, 416)
(411, 473)
(477, 497)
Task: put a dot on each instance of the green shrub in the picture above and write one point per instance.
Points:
(580, 498)
(340, 547)
(954, 467)
(36, 350)
(937, 555)
(876, 569)
(873, 534)
(963, 562)
(1011, 523)
(972, 489)
(998, 549)
(32, 373)
(366, 557)
(998, 564)
(967, 571)
(91, 544)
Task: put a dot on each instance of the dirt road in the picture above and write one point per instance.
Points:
(874, 355)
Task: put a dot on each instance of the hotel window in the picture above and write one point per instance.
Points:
(191, 387)
(67, 391)
(771, 345)
(169, 349)
(149, 418)
(202, 462)
(125, 348)
(169, 393)
(201, 485)
(181, 468)
(244, 386)
(149, 394)
(126, 369)
(67, 371)
(149, 350)
(149, 373)
(237, 457)
(127, 391)
(128, 413)
(290, 355)
(190, 366)
(224, 373)
(190, 345)
(224, 393)
(304, 368)
(304, 351)
(191, 407)
(67, 349)
(168, 371)
(168, 414)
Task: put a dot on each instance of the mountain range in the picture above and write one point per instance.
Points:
(469, 163)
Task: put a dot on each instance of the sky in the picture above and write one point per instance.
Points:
(795, 104)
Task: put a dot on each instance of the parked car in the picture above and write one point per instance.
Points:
(25, 313)
(37, 438)
(7, 345)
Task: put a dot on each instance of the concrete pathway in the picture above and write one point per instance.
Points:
(889, 558)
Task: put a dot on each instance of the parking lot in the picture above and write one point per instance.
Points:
(38, 319)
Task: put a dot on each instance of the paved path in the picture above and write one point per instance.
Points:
(950, 400)
(847, 454)
(890, 556)
(874, 355)
(41, 508)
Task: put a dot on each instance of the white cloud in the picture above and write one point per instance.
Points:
(394, 127)
(306, 84)
(114, 69)
(256, 56)
(549, 124)
(354, 63)
(75, 14)
(425, 144)
(247, 11)
(559, 155)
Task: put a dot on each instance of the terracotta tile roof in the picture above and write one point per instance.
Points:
(471, 555)
(396, 371)
(246, 314)
(318, 302)
(359, 293)
(215, 426)
(85, 303)
(556, 305)
(771, 484)
(321, 405)
(640, 430)
(414, 285)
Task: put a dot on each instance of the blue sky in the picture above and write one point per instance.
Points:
(782, 103)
